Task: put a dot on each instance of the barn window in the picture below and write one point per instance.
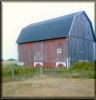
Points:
(59, 50)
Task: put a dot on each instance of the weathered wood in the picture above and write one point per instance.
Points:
(81, 40)
(77, 46)
(43, 51)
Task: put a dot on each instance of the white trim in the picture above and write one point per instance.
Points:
(71, 25)
(94, 50)
(42, 51)
(73, 22)
(68, 62)
(59, 50)
(57, 63)
(41, 63)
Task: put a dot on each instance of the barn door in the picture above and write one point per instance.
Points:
(38, 52)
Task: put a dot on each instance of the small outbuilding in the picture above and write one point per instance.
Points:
(57, 42)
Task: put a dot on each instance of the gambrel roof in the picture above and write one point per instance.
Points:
(49, 29)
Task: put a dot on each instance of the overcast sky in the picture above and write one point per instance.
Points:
(17, 15)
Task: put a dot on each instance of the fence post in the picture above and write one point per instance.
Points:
(12, 72)
(54, 70)
(41, 72)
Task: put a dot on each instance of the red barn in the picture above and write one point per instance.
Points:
(57, 42)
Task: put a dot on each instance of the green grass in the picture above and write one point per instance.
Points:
(20, 73)
(76, 70)
(83, 70)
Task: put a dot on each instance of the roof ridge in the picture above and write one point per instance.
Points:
(52, 19)
(54, 28)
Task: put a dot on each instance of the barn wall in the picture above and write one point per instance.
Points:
(26, 53)
(43, 51)
(81, 40)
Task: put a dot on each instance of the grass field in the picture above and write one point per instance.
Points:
(50, 87)
(6, 63)
(77, 81)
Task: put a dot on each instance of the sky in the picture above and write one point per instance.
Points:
(17, 15)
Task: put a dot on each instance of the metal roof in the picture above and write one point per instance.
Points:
(49, 29)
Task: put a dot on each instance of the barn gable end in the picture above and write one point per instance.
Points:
(81, 39)
(82, 27)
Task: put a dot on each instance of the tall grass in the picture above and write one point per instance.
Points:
(76, 70)
(83, 70)
(20, 73)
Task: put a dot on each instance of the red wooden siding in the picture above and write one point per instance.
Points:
(49, 51)
(43, 51)
(38, 51)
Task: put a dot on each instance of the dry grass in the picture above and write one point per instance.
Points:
(5, 63)
(50, 87)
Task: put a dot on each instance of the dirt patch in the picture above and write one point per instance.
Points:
(50, 87)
